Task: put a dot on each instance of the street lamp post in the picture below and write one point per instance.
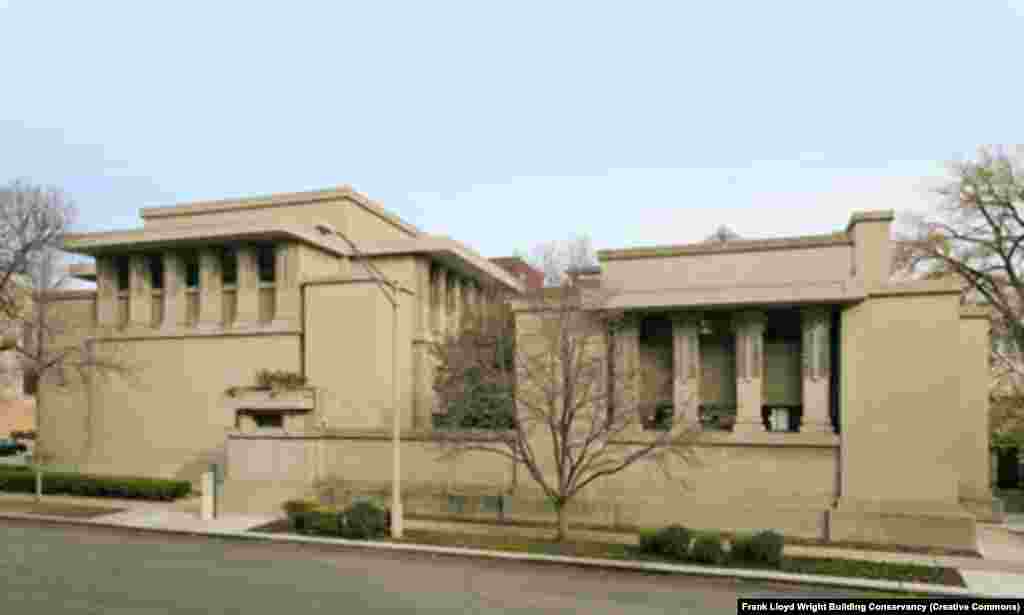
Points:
(389, 288)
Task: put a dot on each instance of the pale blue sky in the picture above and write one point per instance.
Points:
(633, 122)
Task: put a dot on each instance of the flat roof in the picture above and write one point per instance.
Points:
(446, 250)
(732, 245)
(198, 208)
(442, 249)
(108, 242)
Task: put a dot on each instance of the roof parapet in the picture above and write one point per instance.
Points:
(874, 215)
(737, 245)
(197, 208)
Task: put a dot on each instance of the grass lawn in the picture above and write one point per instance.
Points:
(54, 508)
(800, 565)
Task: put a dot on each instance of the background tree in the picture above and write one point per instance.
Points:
(976, 233)
(556, 407)
(558, 259)
(722, 234)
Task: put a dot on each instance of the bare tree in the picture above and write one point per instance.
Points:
(33, 222)
(975, 234)
(558, 259)
(555, 406)
(722, 234)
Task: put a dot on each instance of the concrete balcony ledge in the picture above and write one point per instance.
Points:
(714, 438)
(266, 399)
(769, 438)
(134, 333)
(731, 438)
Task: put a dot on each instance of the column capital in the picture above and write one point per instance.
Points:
(686, 318)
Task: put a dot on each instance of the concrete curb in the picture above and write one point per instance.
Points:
(706, 571)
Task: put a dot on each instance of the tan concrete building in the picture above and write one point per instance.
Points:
(835, 404)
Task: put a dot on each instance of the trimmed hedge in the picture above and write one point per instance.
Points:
(707, 549)
(672, 542)
(66, 483)
(361, 521)
(763, 548)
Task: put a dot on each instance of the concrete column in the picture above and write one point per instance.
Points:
(247, 313)
(627, 366)
(286, 284)
(174, 291)
(749, 327)
(210, 302)
(816, 349)
(457, 307)
(686, 367)
(479, 301)
(106, 292)
(469, 298)
(442, 302)
(425, 296)
(206, 502)
(140, 293)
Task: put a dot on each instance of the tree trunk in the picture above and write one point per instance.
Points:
(563, 523)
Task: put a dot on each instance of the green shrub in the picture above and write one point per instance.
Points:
(19, 481)
(672, 542)
(766, 548)
(762, 549)
(361, 521)
(741, 548)
(328, 523)
(364, 520)
(649, 542)
(707, 548)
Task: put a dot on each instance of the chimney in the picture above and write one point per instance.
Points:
(872, 248)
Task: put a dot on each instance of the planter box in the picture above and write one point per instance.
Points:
(269, 411)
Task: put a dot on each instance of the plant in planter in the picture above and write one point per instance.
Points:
(273, 381)
(717, 418)
(661, 419)
(279, 380)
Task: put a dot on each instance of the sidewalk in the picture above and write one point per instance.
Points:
(999, 574)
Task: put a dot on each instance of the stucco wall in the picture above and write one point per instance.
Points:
(366, 226)
(730, 487)
(901, 402)
(168, 417)
(314, 263)
(348, 351)
(805, 274)
(973, 436)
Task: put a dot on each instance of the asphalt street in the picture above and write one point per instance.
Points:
(75, 569)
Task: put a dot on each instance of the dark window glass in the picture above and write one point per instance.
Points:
(229, 266)
(156, 271)
(192, 271)
(269, 421)
(124, 272)
(265, 262)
